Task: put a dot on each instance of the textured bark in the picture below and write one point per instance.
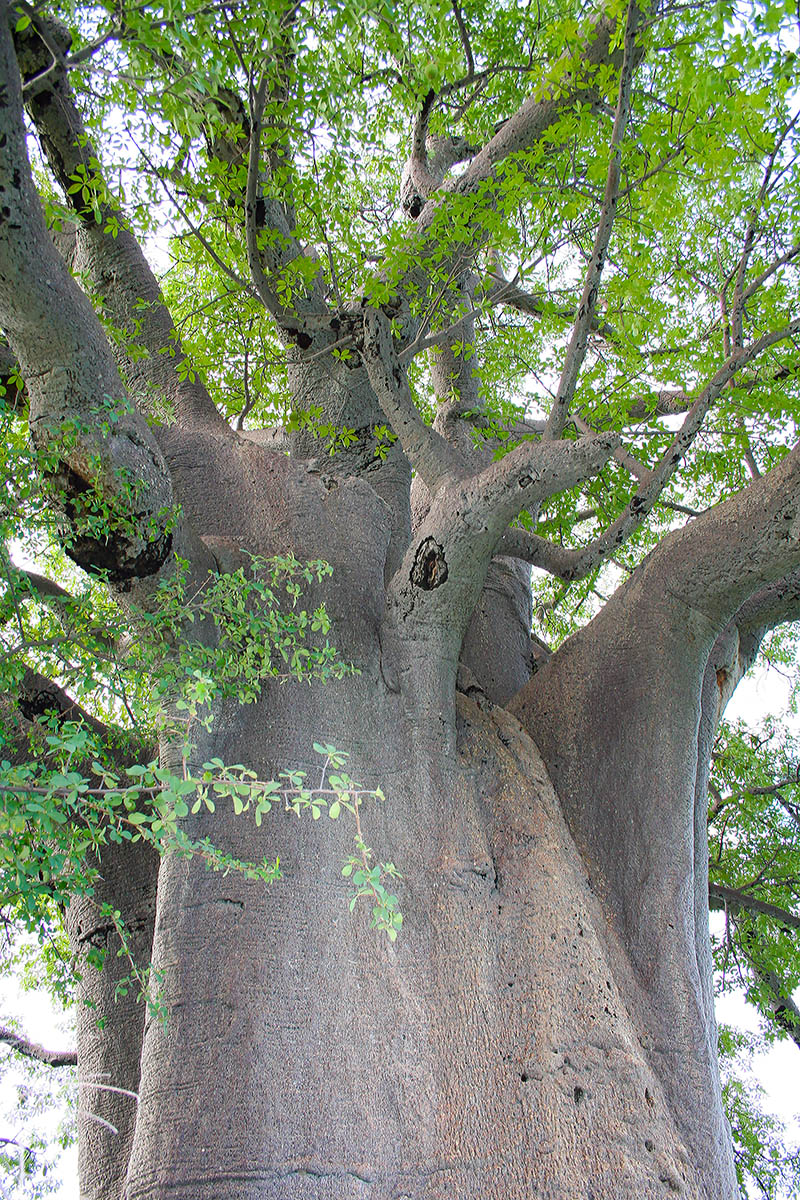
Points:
(110, 1020)
(544, 1025)
(481, 1056)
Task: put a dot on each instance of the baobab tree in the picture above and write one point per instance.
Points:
(490, 315)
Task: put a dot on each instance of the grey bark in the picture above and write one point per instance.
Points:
(543, 1026)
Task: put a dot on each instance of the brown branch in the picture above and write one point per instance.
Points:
(770, 270)
(38, 697)
(193, 229)
(536, 550)
(53, 1058)
(48, 592)
(737, 311)
(465, 42)
(737, 899)
(666, 403)
(624, 457)
(576, 349)
(538, 113)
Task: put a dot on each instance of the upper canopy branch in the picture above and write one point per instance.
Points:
(539, 112)
(576, 564)
(271, 245)
(736, 325)
(584, 317)
(108, 254)
(523, 130)
(738, 898)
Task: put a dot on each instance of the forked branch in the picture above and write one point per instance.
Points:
(427, 451)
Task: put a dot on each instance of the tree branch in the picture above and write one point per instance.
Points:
(72, 379)
(282, 247)
(583, 561)
(576, 349)
(107, 253)
(53, 1058)
(539, 112)
(737, 899)
(427, 451)
(36, 698)
(14, 396)
(737, 311)
(467, 517)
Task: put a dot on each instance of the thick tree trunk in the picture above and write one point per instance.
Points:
(543, 1026)
(500, 1048)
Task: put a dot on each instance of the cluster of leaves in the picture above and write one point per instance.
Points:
(754, 863)
(764, 1164)
(56, 818)
(259, 634)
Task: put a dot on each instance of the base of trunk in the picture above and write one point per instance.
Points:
(495, 1052)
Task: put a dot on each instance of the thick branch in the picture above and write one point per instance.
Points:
(468, 514)
(539, 112)
(22, 583)
(108, 254)
(527, 127)
(13, 395)
(737, 311)
(785, 1012)
(428, 452)
(94, 464)
(38, 698)
(53, 1058)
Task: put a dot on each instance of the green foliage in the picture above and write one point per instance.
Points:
(716, 91)
(754, 850)
(765, 1166)
(38, 1122)
(259, 634)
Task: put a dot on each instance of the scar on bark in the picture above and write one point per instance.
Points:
(430, 569)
